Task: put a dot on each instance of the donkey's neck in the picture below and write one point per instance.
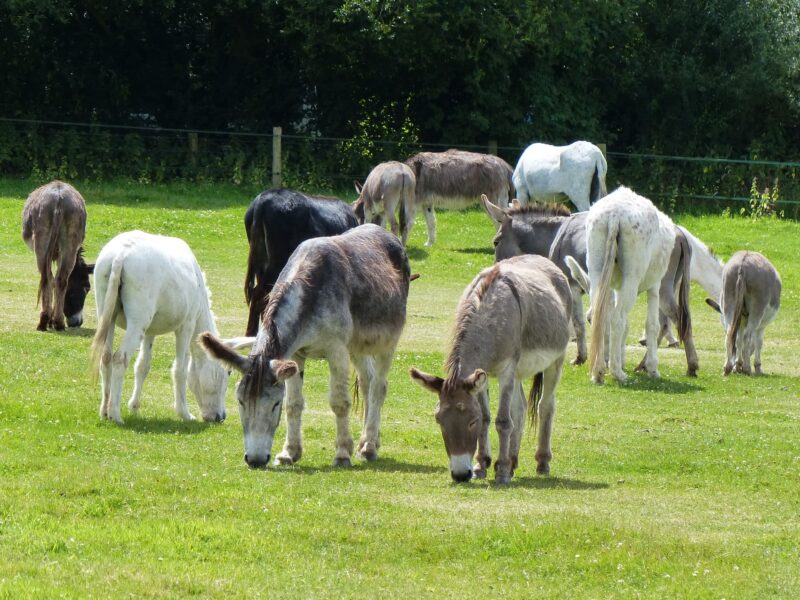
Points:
(286, 322)
(537, 235)
(705, 269)
(473, 347)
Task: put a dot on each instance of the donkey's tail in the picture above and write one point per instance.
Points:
(602, 299)
(537, 389)
(52, 248)
(255, 260)
(684, 317)
(738, 310)
(106, 320)
(598, 189)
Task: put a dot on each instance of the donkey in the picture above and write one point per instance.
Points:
(751, 297)
(455, 179)
(388, 186)
(276, 222)
(512, 322)
(577, 171)
(54, 226)
(629, 243)
(340, 298)
(150, 285)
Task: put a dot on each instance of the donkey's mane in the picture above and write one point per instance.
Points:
(466, 312)
(549, 209)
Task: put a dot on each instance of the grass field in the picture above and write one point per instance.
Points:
(672, 488)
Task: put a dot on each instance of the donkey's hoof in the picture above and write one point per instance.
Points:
(692, 372)
(578, 360)
(59, 325)
(478, 472)
(643, 341)
(369, 454)
(283, 460)
(674, 345)
(502, 478)
(342, 461)
(543, 469)
(640, 368)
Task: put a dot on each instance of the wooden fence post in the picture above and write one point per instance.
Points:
(193, 144)
(603, 149)
(276, 157)
(493, 147)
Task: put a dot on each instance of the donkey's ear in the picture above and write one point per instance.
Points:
(432, 383)
(477, 382)
(90, 269)
(283, 369)
(219, 350)
(578, 274)
(496, 214)
(714, 304)
(238, 343)
(359, 186)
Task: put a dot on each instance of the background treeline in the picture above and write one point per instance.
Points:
(669, 77)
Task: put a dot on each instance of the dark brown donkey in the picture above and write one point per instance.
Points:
(53, 226)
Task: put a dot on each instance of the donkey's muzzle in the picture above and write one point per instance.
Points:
(461, 476)
(257, 463)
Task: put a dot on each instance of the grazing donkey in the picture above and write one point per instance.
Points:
(53, 226)
(577, 171)
(751, 297)
(629, 242)
(512, 322)
(150, 285)
(388, 186)
(455, 179)
(276, 222)
(340, 298)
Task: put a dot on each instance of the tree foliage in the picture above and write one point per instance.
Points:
(719, 76)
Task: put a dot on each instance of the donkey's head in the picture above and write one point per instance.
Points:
(78, 287)
(364, 208)
(260, 394)
(459, 414)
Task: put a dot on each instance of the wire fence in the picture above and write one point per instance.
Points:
(49, 149)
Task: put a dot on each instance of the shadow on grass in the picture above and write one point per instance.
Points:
(162, 425)
(78, 332)
(643, 382)
(382, 465)
(475, 251)
(552, 483)
(415, 253)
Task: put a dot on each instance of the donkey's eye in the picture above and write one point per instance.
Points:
(473, 424)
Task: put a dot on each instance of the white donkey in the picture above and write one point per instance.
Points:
(150, 285)
(750, 299)
(388, 186)
(629, 242)
(546, 173)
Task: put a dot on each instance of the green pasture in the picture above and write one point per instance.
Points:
(681, 487)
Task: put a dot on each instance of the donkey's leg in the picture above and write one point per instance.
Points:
(430, 220)
(746, 347)
(371, 435)
(365, 373)
(119, 364)
(759, 342)
(69, 255)
(730, 352)
(339, 398)
(579, 324)
(294, 403)
(546, 412)
(411, 214)
(140, 370)
(504, 424)
(625, 299)
(651, 328)
(105, 372)
(390, 214)
(484, 458)
(180, 370)
(518, 411)
(45, 281)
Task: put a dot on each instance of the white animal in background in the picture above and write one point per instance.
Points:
(150, 285)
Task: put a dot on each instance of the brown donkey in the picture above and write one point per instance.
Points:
(53, 226)
(513, 322)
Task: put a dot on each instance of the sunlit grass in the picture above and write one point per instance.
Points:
(679, 487)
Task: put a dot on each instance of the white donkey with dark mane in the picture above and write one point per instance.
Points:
(340, 298)
(512, 322)
(546, 173)
(390, 185)
(629, 242)
(150, 285)
(750, 299)
(455, 179)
